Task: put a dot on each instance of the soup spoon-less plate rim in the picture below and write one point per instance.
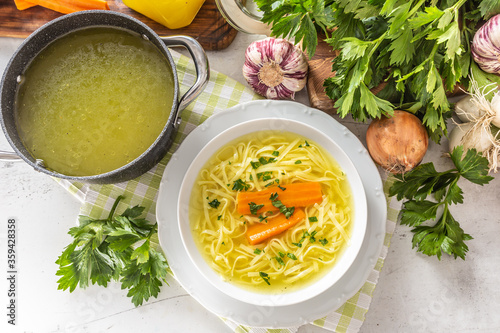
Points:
(269, 315)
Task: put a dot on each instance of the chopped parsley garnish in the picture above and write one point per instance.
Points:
(265, 277)
(313, 219)
(219, 217)
(265, 176)
(240, 185)
(257, 251)
(276, 153)
(288, 211)
(255, 165)
(281, 254)
(214, 203)
(306, 144)
(323, 241)
(299, 244)
(264, 161)
(291, 256)
(254, 207)
(281, 187)
(298, 162)
(280, 261)
(311, 237)
(262, 218)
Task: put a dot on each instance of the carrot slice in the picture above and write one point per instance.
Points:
(294, 195)
(23, 4)
(259, 232)
(71, 6)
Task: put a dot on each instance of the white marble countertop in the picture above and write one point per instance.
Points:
(415, 293)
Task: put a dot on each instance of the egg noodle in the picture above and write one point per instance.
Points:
(299, 255)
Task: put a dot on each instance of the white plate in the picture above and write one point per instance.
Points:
(269, 316)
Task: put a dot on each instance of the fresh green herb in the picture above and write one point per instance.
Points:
(313, 219)
(265, 277)
(291, 256)
(240, 185)
(276, 153)
(263, 218)
(280, 261)
(312, 239)
(223, 243)
(214, 203)
(419, 50)
(265, 176)
(281, 187)
(219, 217)
(299, 244)
(288, 211)
(323, 241)
(255, 165)
(229, 162)
(281, 254)
(298, 162)
(254, 207)
(445, 235)
(257, 251)
(105, 250)
(265, 161)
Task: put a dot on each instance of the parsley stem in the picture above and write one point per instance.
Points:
(112, 212)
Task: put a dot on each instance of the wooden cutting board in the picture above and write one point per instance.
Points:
(209, 27)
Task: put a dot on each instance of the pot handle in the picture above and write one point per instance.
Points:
(9, 156)
(201, 65)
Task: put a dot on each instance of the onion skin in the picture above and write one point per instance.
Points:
(485, 46)
(399, 143)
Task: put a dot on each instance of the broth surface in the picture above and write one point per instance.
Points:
(94, 100)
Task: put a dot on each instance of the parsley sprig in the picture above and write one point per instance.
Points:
(119, 248)
(416, 50)
(445, 235)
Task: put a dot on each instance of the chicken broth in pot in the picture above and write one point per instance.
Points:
(94, 100)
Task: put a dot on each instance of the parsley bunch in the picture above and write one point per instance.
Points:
(445, 235)
(415, 50)
(117, 248)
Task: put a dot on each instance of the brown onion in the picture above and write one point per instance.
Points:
(397, 144)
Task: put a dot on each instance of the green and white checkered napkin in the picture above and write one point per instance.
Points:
(221, 93)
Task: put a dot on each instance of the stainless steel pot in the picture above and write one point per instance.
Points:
(29, 49)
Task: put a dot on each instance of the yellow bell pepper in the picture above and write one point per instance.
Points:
(173, 14)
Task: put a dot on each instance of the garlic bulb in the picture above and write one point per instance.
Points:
(275, 68)
(486, 46)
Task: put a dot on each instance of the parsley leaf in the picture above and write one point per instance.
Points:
(214, 203)
(254, 207)
(416, 186)
(240, 185)
(420, 50)
(288, 211)
(103, 250)
(265, 277)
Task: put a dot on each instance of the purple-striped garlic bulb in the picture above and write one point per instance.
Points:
(486, 46)
(275, 68)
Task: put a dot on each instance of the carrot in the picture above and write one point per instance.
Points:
(23, 4)
(294, 195)
(71, 6)
(259, 232)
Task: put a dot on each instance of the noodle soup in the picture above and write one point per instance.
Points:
(289, 260)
